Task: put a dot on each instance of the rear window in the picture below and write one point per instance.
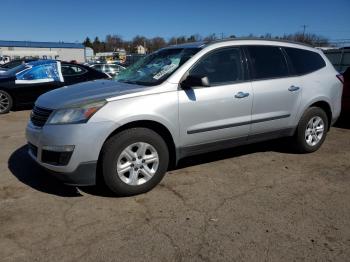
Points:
(72, 70)
(304, 61)
(267, 62)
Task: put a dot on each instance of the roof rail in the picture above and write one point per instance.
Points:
(257, 38)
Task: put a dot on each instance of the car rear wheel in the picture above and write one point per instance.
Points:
(134, 161)
(312, 130)
(5, 102)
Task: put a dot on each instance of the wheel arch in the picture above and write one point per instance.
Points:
(322, 103)
(327, 108)
(155, 126)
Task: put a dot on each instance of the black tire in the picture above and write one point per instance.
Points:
(115, 146)
(5, 95)
(301, 144)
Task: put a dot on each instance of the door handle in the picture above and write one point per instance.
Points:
(241, 95)
(293, 88)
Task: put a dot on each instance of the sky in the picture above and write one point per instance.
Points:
(74, 20)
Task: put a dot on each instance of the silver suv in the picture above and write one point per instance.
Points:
(181, 101)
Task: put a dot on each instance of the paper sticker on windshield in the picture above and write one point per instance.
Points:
(166, 70)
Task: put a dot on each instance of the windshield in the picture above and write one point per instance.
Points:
(156, 67)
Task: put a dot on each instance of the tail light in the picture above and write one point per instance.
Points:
(341, 78)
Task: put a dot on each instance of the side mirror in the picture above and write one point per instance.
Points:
(195, 80)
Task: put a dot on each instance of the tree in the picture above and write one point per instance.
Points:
(114, 42)
(96, 45)
(311, 39)
(156, 43)
(181, 40)
(194, 38)
(210, 38)
(139, 40)
(87, 42)
(172, 41)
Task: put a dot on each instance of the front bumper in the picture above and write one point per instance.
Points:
(84, 175)
(87, 140)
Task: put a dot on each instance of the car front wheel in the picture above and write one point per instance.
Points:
(134, 161)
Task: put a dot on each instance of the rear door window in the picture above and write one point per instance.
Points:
(267, 62)
(304, 61)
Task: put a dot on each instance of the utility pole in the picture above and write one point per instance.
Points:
(304, 29)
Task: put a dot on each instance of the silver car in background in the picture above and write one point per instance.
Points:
(111, 69)
(182, 101)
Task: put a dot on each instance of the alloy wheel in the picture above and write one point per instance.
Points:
(314, 131)
(4, 102)
(137, 163)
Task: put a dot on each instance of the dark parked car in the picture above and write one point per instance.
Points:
(110, 69)
(15, 63)
(346, 92)
(23, 84)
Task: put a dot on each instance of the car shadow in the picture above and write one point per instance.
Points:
(28, 172)
(343, 121)
(281, 145)
(22, 108)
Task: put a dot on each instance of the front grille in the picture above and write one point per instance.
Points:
(39, 116)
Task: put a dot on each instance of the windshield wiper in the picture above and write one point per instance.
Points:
(127, 81)
(136, 82)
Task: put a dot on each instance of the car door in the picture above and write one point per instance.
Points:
(220, 112)
(277, 94)
(73, 74)
(32, 83)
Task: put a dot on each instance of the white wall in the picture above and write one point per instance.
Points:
(64, 54)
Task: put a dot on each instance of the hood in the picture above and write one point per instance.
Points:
(5, 77)
(85, 92)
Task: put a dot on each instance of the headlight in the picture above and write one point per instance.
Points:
(75, 115)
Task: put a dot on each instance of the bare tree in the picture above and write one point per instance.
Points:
(156, 43)
(113, 42)
(210, 38)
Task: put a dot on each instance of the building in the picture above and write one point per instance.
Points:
(141, 50)
(44, 50)
(118, 55)
(89, 54)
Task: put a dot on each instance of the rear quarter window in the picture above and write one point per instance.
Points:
(304, 61)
